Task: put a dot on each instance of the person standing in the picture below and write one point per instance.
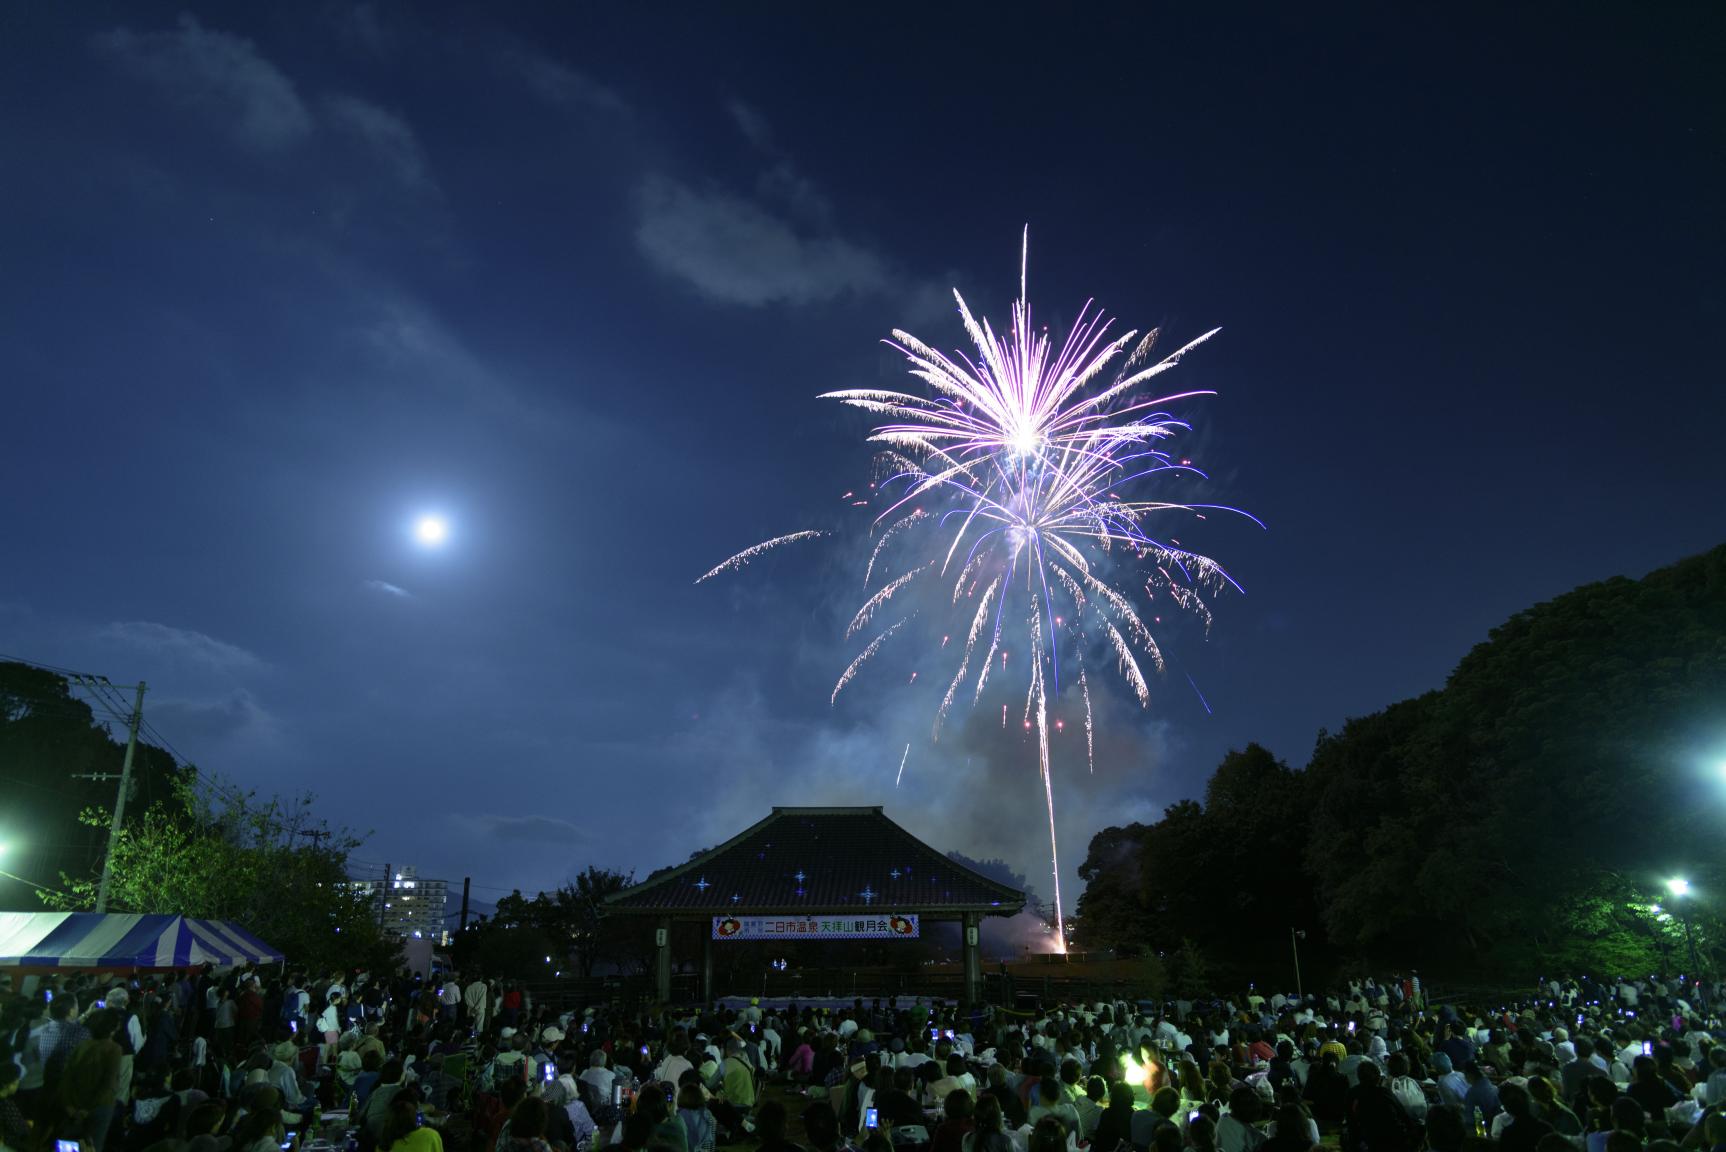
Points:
(449, 999)
(249, 1012)
(477, 997)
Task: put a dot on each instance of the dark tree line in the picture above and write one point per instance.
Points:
(1521, 820)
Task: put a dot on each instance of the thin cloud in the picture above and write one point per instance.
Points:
(219, 74)
(735, 252)
(557, 83)
(389, 589)
(386, 136)
(543, 829)
(185, 644)
(752, 124)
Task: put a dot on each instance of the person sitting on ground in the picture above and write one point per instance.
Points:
(260, 1129)
(1237, 1131)
(377, 1106)
(1291, 1131)
(1051, 1101)
(1628, 1123)
(700, 1129)
(402, 1131)
(1649, 1089)
(958, 1078)
(1376, 1121)
(1090, 1104)
(1524, 1129)
(1452, 1085)
(1573, 1075)
(525, 1130)
(1202, 1133)
(898, 1105)
(959, 1118)
(1550, 1108)
(1327, 1093)
(1048, 1136)
(988, 1132)
(1012, 1108)
(1115, 1127)
(1482, 1094)
(655, 1103)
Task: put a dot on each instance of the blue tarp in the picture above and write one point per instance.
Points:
(124, 940)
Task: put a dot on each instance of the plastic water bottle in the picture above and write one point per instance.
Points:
(1479, 1122)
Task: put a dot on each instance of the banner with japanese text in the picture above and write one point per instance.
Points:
(878, 926)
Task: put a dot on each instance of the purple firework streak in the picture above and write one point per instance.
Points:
(1035, 454)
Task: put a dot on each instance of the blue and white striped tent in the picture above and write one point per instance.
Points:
(123, 940)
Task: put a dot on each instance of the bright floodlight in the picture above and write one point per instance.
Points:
(1678, 886)
(431, 530)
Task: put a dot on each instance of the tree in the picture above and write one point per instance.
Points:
(240, 860)
(583, 908)
(567, 924)
(50, 739)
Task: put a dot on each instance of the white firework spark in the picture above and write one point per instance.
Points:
(1034, 455)
(748, 554)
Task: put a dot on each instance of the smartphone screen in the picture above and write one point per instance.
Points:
(550, 1073)
(1193, 1115)
(871, 1118)
(1648, 1048)
(65, 1146)
(934, 1033)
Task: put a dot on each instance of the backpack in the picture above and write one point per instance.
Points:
(1410, 1095)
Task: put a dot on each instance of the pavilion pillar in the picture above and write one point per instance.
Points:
(662, 970)
(707, 962)
(971, 932)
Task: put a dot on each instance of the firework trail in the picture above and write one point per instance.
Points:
(748, 554)
(1033, 452)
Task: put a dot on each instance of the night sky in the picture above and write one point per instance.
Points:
(275, 281)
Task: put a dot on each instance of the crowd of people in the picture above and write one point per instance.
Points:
(248, 1061)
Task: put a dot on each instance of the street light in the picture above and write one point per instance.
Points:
(1680, 887)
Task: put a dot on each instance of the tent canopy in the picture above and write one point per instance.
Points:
(124, 940)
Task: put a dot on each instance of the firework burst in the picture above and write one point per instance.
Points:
(1034, 454)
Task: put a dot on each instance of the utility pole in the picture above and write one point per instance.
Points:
(466, 883)
(1295, 935)
(120, 800)
(384, 896)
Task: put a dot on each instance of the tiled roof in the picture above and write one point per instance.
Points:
(810, 860)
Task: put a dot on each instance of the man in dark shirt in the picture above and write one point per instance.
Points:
(897, 1104)
(1525, 1128)
(1573, 1075)
(1454, 1044)
(1012, 1108)
(1375, 1120)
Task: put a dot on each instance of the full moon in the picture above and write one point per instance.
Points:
(431, 530)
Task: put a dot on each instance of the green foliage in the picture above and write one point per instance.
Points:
(1212, 876)
(1522, 820)
(50, 739)
(244, 861)
(564, 924)
(1189, 971)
